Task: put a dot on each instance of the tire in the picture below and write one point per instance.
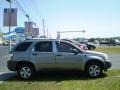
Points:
(25, 71)
(92, 48)
(94, 69)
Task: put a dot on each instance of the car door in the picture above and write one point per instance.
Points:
(66, 58)
(43, 55)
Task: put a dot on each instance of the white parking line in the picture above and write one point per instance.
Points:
(6, 75)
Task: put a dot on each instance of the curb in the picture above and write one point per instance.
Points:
(6, 75)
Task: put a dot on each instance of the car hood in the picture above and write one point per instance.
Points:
(95, 53)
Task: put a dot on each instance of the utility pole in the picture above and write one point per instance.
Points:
(44, 29)
(27, 25)
(47, 32)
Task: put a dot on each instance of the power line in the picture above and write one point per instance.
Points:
(20, 7)
(35, 11)
(25, 13)
(18, 4)
(35, 8)
(27, 9)
(30, 13)
(25, 5)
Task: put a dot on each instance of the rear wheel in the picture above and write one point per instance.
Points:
(91, 48)
(94, 69)
(25, 71)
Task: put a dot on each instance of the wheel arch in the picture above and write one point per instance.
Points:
(24, 62)
(94, 60)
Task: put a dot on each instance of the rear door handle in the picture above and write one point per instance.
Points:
(59, 55)
(34, 54)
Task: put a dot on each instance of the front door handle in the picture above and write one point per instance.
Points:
(34, 54)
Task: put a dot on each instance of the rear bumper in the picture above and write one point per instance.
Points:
(12, 65)
(108, 65)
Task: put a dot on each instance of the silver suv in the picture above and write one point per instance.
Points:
(31, 56)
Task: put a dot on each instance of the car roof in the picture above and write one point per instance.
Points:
(34, 40)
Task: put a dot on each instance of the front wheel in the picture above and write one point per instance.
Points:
(94, 69)
(26, 71)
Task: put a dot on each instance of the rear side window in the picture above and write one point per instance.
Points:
(23, 46)
(45, 46)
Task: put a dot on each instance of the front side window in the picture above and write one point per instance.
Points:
(23, 46)
(45, 46)
(64, 47)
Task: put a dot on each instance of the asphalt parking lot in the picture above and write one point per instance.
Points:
(4, 56)
(115, 59)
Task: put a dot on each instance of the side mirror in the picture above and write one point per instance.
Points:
(75, 51)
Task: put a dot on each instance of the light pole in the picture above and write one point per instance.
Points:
(47, 32)
(27, 34)
(59, 32)
(9, 23)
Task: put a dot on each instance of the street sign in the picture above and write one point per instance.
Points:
(35, 32)
(10, 19)
(28, 27)
(19, 30)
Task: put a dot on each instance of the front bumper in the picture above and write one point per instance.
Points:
(108, 64)
(12, 65)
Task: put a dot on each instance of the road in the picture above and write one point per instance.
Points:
(4, 56)
(115, 59)
(4, 72)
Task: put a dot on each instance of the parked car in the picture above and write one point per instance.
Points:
(13, 43)
(81, 45)
(5, 43)
(90, 46)
(110, 42)
(30, 56)
(105, 42)
(96, 42)
(117, 42)
(113, 42)
(1, 42)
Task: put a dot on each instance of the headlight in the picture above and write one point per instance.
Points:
(106, 57)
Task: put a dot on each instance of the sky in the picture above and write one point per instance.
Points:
(99, 18)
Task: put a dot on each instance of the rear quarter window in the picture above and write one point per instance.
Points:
(43, 46)
(23, 46)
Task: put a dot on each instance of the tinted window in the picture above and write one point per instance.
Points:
(64, 47)
(23, 46)
(43, 47)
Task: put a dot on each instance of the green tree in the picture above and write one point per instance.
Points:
(1, 34)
